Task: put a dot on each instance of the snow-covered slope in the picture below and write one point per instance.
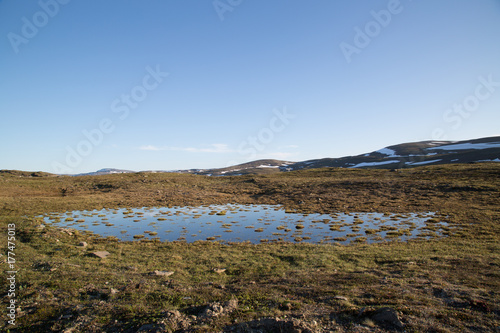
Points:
(414, 154)
(255, 167)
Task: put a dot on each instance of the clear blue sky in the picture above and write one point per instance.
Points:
(161, 85)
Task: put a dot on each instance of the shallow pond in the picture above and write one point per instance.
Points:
(253, 223)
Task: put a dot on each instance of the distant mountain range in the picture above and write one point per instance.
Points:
(405, 155)
(414, 154)
(106, 171)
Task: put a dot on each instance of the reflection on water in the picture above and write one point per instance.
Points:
(253, 223)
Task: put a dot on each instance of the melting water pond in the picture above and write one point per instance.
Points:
(253, 223)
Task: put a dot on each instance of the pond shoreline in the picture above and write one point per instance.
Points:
(249, 223)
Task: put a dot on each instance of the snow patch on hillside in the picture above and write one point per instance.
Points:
(388, 152)
(369, 164)
(423, 162)
(495, 160)
(466, 146)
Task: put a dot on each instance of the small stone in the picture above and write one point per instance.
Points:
(231, 305)
(113, 291)
(219, 270)
(387, 316)
(218, 309)
(83, 244)
(172, 314)
(162, 273)
(101, 254)
(66, 231)
(341, 298)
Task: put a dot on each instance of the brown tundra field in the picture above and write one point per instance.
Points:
(71, 280)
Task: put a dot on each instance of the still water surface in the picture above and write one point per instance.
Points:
(238, 223)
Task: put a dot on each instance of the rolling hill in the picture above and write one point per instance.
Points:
(413, 154)
(405, 155)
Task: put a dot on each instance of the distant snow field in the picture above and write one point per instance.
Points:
(423, 162)
(495, 160)
(388, 152)
(369, 164)
(465, 146)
